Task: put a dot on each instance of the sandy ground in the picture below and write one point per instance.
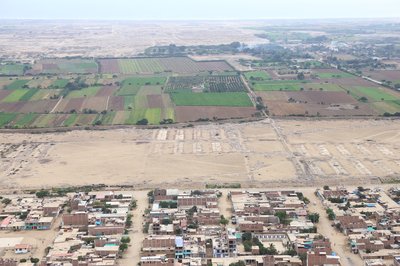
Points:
(254, 154)
(146, 158)
(113, 39)
(39, 240)
(233, 60)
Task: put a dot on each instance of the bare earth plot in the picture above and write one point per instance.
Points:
(329, 152)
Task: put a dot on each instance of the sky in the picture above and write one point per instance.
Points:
(197, 9)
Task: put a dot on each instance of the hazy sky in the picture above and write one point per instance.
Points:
(197, 9)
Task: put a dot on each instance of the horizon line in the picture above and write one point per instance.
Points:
(205, 19)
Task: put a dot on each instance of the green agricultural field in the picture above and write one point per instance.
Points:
(27, 96)
(294, 85)
(44, 94)
(333, 75)
(6, 118)
(60, 83)
(86, 66)
(129, 102)
(70, 121)
(373, 94)
(25, 120)
(12, 69)
(211, 99)
(17, 84)
(108, 118)
(85, 92)
(44, 120)
(16, 95)
(153, 115)
(169, 113)
(386, 107)
(257, 75)
(140, 65)
(321, 86)
(278, 87)
(131, 86)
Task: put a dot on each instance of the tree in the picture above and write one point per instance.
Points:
(300, 76)
(6, 201)
(246, 236)
(247, 245)
(223, 220)
(143, 121)
(271, 250)
(126, 239)
(123, 247)
(35, 260)
(42, 193)
(326, 187)
(331, 214)
(313, 217)
(282, 217)
(239, 263)
(363, 99)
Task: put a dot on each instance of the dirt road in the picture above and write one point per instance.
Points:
(132, 255)
(338, 240)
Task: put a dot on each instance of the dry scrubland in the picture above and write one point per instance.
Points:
(337, 151)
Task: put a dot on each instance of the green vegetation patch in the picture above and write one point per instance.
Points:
(328, 75)
(278, 86)
(60, 83)
(108, 118)
(12, 69)
(6, 118)
(131, 86)
(140, 65)
(240, 99)
(78, 67)
(257, 75)
(44, 120)
(85, 92)
(25, 120)
(17, 84)
(153, 115)
(27, 96)
(16, 95)
(373, 94)
(70, 120)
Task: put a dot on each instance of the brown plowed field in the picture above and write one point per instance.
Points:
(193, 113)
(41, 106)
(277, 108)
(326, 97)
(109, 66)
(379, 75)
(107, 90)
(155, 101)
(11, 107)
(116, 103)
(345, 82)
(85, 119)
(73, 104)
(4, 94)
(58, 121)
(95, 103)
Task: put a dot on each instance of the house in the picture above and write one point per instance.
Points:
(322, 259)
(22, 248)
